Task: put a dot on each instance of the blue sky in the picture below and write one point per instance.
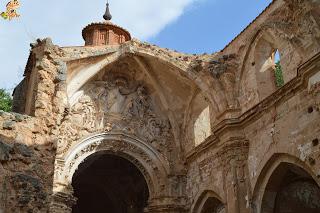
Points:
(191, 26)
(209, 26)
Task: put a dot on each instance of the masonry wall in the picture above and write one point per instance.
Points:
(26, 165)
(235, 164)
(282, 128)
(28, 140)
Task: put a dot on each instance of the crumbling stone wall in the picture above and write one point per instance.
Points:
(261, 130)
(28, 142)
(26, 167)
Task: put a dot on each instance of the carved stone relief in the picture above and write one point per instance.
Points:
(149, 162)
(116, 101)
(119, 148)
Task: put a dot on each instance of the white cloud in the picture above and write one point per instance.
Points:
(63, 20)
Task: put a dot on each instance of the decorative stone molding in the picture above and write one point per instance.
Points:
(235, 149)
(152, 165)
(234, 155)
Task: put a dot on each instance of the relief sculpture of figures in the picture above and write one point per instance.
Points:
(116, 104)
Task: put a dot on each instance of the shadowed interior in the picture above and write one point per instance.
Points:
(108, 183)
(213, 205)
(291, 190)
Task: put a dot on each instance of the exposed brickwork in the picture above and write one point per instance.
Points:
(104, 33)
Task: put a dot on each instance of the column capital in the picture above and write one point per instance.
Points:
(235, 149)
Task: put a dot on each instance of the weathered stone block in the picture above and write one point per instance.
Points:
(23, 150)
(5, 151)
(9, 125)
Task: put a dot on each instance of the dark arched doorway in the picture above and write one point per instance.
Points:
(213, 205)
(109, 183)
(290, 189)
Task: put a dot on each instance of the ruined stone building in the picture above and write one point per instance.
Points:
(123, 126)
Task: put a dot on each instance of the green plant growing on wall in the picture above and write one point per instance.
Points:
(279, 75)
(5, 101)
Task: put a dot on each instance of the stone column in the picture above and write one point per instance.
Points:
(62, 202)
(234, 155)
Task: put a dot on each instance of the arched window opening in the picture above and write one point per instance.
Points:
(265, 68)
(278, 72)
(202, 127)
(213, 205)
(268, 69)
(291, 189)
(199, 120)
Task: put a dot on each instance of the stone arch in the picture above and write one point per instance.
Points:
(204, 198)
(141, 58)
(258, 68)
(130, 50)
(273, 179)
(153, 166)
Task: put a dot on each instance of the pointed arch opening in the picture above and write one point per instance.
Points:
(268, 69)
(270, 62)
(213, 205)
(290, 189)
(208, 202)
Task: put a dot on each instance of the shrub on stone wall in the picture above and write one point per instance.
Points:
(279, 75)
(5, 100)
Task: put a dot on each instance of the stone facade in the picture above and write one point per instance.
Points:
(208, 133)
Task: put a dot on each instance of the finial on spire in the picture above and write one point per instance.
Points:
(107, 16)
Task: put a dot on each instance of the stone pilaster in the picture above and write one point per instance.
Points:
(234, 156)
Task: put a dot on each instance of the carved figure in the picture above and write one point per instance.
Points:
(117, 104)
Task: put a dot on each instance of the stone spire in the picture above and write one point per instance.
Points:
(107, 15)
